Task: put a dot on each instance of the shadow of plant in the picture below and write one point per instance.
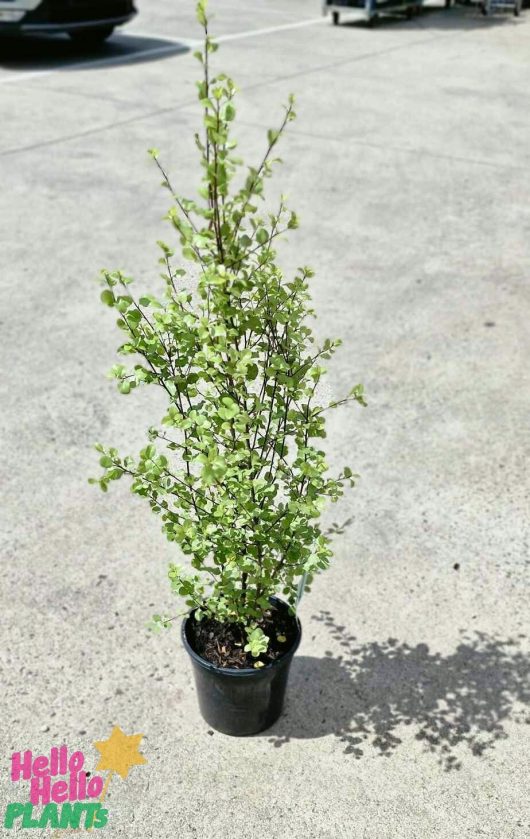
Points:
(367, 694)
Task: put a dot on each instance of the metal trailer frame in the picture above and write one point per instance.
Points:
(488, 7)
(369, 10)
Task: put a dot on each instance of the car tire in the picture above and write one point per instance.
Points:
(91, 36)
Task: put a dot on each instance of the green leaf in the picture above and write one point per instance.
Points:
(252, 372)
(201, 12)
(107, 297)
(134, 317)
(257, 642)
(228, 409)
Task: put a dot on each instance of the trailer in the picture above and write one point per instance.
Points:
(488, 7)
(369, 10)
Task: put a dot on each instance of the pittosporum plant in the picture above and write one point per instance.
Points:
(235, 470)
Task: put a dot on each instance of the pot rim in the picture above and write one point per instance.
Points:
(241, 671)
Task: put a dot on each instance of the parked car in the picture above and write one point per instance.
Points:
(89, 21)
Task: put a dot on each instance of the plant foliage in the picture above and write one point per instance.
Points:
(234, 469)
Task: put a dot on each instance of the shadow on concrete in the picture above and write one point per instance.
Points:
(461, 17)
(58, 52)
(365, 695)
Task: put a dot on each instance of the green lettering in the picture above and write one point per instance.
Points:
(49, 816)
(13, 811)
(70, 816)
(27, 821)
(90, 813)
(101, 818)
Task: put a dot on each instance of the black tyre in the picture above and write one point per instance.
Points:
(91, 36)
(335, 18)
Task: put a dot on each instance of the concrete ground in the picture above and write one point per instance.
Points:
(409, 166)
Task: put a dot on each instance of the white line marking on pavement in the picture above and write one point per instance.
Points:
(235, 36)
(270, 30)
(171, 43)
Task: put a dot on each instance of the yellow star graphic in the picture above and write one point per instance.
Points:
(119, 752)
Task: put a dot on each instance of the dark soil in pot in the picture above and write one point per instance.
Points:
(223, 643)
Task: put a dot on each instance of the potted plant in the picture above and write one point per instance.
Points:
(235, 469)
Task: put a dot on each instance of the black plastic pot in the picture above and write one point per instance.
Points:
(240, 702)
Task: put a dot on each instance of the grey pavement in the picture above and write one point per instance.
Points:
(407, 715)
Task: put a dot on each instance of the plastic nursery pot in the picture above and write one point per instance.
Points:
(245, 701)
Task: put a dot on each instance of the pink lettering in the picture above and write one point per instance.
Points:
(63, 764)
(59, 792)
(95, 786)
(76, 762)
(40, 766)
(21, 767)
(40, 790)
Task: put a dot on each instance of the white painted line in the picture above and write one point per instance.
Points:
(171, 43)
(271, 29)
(235, 36)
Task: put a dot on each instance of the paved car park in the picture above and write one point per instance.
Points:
(409, 168)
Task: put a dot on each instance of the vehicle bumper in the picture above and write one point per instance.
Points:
(69, 16)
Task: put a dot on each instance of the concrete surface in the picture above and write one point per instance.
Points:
(409, 166)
